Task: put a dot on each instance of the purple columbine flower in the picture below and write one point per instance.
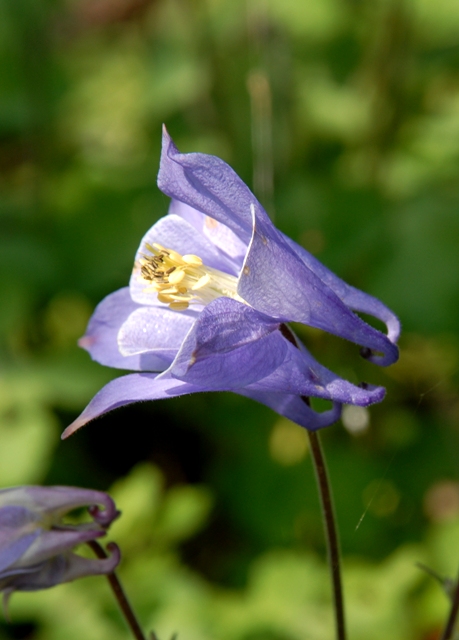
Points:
(213, 285)
(36, 545)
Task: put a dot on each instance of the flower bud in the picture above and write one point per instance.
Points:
(36, 544)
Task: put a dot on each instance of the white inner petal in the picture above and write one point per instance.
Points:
(154, 329)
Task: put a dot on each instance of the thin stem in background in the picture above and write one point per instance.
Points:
(452, 619)
(331, 533)
(259, 89)
(118, 591)
(261, 102)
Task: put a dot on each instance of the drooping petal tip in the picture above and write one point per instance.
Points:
(73, 427)
(105, 516)
(108, 514)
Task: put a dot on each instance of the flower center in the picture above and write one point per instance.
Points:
(182, 280)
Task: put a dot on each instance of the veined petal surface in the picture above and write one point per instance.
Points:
(297, 294)
(219, 234)
(352, 297)
(156, 332)
(207, 184)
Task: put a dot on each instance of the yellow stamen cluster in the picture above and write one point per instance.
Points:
(181, 280)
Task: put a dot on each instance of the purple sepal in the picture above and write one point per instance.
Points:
(352, 297)
(101, 338)
(277, 381)
(142, 387)
(208, 184)
(136, 387)
(230, 346)
(297, 294)
(295, 408)
(221, 236)
(57, 570)
(15, 538)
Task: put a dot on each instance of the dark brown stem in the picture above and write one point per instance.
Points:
(118, 591)
(328, 513)
(331, 533)
(452, 618)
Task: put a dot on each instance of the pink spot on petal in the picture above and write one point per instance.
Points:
(210, 223)
(86, 342)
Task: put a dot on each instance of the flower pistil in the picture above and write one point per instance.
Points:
(182, 280)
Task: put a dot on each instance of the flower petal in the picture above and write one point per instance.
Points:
(352, 297)
(136, 387)
(15, 538)
(53, 542)
(155, 332)
(59, 500)
(229, 346)
(232, 346)
(59, 569)
(101, 338)
(17, 547)
(56, 501)
(78, 567)
(300, 374)
(207, 184)
(148, 386)
(219, 234)
(294, 408)
(297, 294)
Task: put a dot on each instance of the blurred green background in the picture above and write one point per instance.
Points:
(343, 116)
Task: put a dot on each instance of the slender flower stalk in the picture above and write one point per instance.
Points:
(448, 633)
(331, 532)
(118, 591)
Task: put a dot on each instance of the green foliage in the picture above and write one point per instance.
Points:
(221, 530)
(286, 595)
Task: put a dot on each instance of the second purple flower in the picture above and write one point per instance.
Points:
(37, 545)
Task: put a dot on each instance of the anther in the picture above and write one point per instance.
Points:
(180, 280)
